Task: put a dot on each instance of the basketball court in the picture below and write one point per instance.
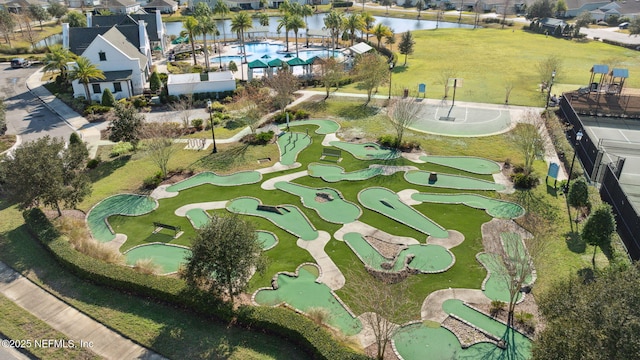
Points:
(464, 119)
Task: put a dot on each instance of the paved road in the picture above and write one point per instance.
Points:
(610, 33)
(26, 115)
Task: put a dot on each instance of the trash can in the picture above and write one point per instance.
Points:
(405, 93)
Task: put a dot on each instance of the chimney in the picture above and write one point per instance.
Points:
(89, 19)
(142, 31)
(65, 35)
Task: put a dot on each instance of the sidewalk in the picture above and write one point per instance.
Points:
(69, 321)
(90, 133)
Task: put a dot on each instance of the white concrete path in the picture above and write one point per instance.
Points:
(331, 274)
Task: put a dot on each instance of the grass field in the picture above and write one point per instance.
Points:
(487, 59)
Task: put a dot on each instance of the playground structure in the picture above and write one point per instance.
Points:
(306, 215)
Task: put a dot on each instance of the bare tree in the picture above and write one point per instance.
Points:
(331, 72)
(184, 108)
(383, 304)
(509, 84)
(284, 83)
(507, 4)
(403, 112)
(251, 114)
(28, 32)
(527, 138)
(160, 143)
(445, 75)
(547, 67)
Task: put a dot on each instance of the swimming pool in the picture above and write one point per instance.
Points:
(267, 52)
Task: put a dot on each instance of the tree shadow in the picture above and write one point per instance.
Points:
(575, 243)
(107, 168)
(223, 160)
(357, 111)
(587, 275)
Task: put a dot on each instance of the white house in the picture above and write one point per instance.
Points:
(164, 6)
(126, 69)
(182, 84)
(120, 6)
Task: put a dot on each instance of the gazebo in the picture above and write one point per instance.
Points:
(597, 69)
(275, 63)
(255, 64)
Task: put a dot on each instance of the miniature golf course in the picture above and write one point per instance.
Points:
(334, 173)
(287, 217)
(387, 203)
(415, 340)
(207, 177)
(426, 258)
(123, 204)
(495, 287)
(327, 202)
(368, 151)
(494, 207)
(420, 177)
(324, 126)
(198, 217)
(466, 163)
(291, 144)
(304, 293)
(167, 257)
(306, 289)
(267, 239)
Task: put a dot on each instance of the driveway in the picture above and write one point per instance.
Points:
(26, 115)
(610, 33)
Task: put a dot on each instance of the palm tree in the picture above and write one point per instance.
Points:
(206, 25)
(239, 24)
(263, 19)
(295, 24)
(84, 71)
(222, 9)
(368, 20)
(380, 31)
(333, 22)
(56, 60)
(419, 6)
(306, 10)
(190, 24)
(285, 22)
(352, 23)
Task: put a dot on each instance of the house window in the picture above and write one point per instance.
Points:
(117, 87)
(102, 55)
(96, 88)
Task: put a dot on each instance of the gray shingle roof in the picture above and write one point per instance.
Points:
(130, 20)
(115, 37)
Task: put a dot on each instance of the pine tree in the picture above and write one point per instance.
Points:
(406, 45)
(154, 82)
(107, 98)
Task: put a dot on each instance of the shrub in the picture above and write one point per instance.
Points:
(301, 114)
(147, 266)
(152, 182)
(154, 82)
(121, 148)
(262, 138)
(217, 107)
(497, 307)
(281, 117)
(527, 321)
(388, 141)
(197, 123)
(107, 98)
(96, 109)
(233, 124)
(280, 322)
(140, 102)
(524, 181)
(93, 163)
(319, 315)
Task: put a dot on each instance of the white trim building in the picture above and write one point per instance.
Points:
(183, 84)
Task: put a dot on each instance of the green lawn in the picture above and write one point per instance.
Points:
(489, 58)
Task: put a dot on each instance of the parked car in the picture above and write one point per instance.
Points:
(20, 63)
(624, 25)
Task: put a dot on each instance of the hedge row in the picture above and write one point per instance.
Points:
(286, 323)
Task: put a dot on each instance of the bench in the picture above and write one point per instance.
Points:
(327, 152)
(270, 208)
(159, 225)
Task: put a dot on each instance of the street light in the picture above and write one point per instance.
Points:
(575, 151)
(213, 134)
(391, 65)
(553, 77)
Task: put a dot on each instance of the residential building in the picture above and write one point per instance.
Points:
(577, 7)
(119, 6)
(164, 6)
(126, 69)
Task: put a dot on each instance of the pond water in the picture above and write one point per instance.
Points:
(317, 22)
